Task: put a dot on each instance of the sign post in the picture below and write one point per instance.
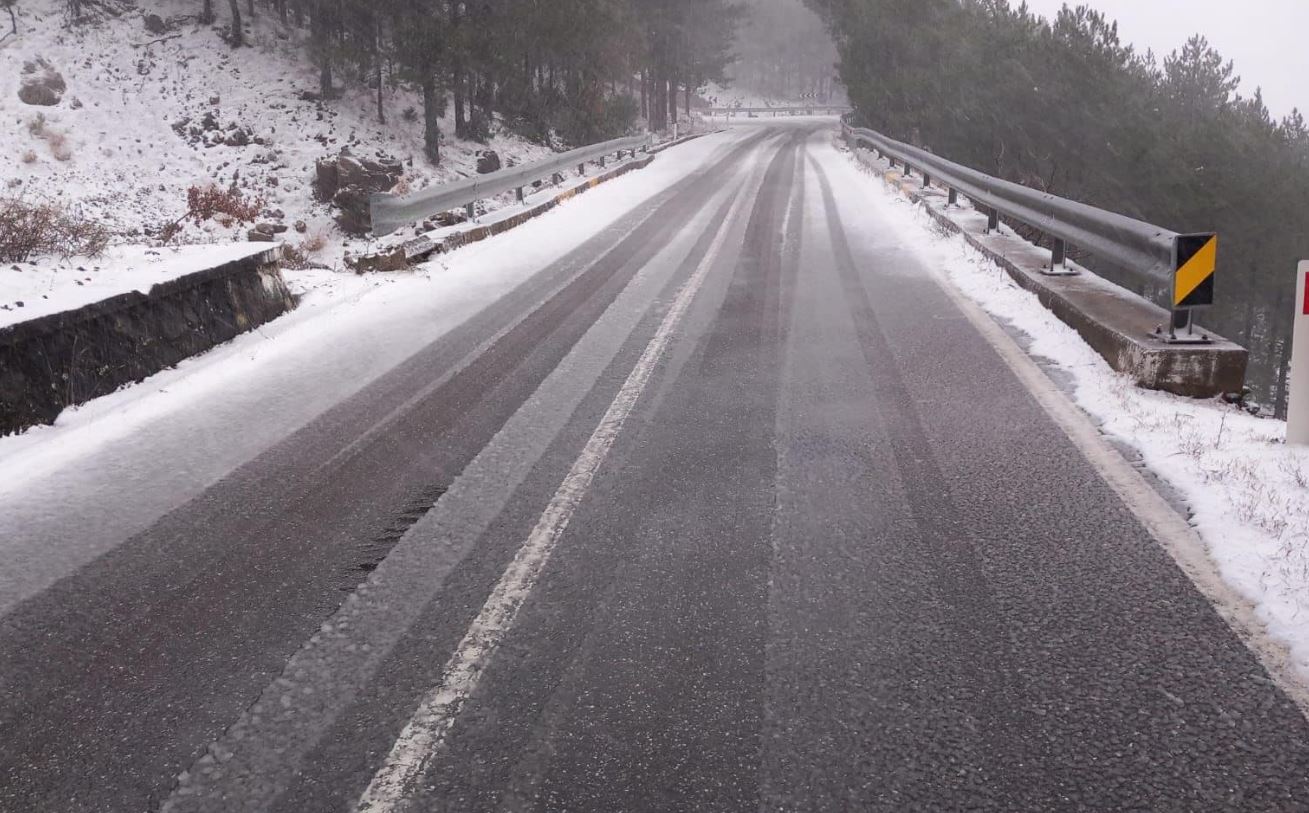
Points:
(1297, 409)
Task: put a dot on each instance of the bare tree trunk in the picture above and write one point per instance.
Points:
(250, 8)
(238, 35)
(461, 122)
(645, 96)
(431, 121)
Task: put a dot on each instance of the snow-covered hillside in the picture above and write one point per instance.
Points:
(147, 114)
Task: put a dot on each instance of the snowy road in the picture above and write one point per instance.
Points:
(732, 507)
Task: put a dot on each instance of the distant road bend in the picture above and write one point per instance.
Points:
(731, 508)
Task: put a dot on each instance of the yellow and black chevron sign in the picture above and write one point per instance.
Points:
(1197, 260)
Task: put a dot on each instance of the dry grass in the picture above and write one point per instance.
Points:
(60, 148)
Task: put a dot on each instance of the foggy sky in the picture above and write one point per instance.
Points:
(1267, 39)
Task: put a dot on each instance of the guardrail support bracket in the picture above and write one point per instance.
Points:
(1059, 261)
(1182, 321)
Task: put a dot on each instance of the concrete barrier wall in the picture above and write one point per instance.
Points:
(68, 358)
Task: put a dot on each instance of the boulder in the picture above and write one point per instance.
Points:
(155, 24)
(271, 228)
(41, 84)
(354, 216)
(326, 179)
(488, 161)
(395, 259)
(256, 236)
(349, 182)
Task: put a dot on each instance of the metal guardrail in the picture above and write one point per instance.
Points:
(390, 212)
(1133, 245)
(803, 110)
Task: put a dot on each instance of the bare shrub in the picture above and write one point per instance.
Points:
(295, 259)
(36, 125)
(29, 156)
(59, 146)
(28, 229)
(314, 243)
(213, 202)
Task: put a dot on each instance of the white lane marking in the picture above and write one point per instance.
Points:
(1169, 528)
(423, 736)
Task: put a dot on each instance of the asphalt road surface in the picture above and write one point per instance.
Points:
(730, 508)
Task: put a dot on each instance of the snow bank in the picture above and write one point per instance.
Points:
(31, 291)
(1247, 492)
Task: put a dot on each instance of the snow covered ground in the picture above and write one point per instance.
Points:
(120, 148)
(1246, 490)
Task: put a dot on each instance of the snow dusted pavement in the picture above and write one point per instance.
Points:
(698, 493)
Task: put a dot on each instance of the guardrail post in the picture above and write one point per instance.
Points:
(1058, 254)
(581, 168)
(954, 198)
(518, 193)
(602, 162)
(927, 180)
(471, 210)
(1297, 408)
(992, 219)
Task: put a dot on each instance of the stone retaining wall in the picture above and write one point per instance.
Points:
(68, 358)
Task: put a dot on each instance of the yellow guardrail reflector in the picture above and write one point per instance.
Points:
(1197, 260)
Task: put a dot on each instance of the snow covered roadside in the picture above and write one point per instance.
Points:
(105, 470)
(1246, 491)
(32, 291)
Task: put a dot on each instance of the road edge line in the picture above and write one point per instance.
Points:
(1182, 542)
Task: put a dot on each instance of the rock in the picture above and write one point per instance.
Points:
(256, 236)
(155, 24)
(394, 260)
(351, 171)
(270, 228)
(301, 226)
(446, 219)
(326, 179)
(41, 84)
(488, 161)
(209, 122)
(214, 100)
(354, 218)
(237, 138)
